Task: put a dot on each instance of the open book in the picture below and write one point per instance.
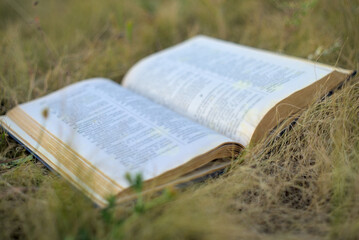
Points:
(180, 114)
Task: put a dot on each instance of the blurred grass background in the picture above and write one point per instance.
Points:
(303, 185)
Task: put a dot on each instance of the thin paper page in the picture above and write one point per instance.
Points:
(119, 131)
(224, 86)
(52, 161)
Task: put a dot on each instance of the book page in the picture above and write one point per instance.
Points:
(117, 131)
(224, 86)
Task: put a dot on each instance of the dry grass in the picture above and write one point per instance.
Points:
(301, 185)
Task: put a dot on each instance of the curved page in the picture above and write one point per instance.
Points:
(96, 125)
(226, 87)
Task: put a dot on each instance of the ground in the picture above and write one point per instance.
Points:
(300, 185)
